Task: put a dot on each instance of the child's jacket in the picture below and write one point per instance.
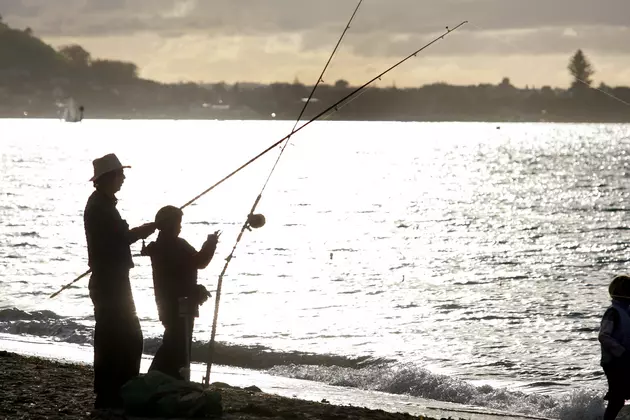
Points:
(175, 263)
(614, 333)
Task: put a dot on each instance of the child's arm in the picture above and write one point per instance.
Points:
(606, 329)
(200, 259)
(205, 254)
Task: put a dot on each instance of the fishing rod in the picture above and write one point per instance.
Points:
(249, 221)
(332, 108)
(259, 223)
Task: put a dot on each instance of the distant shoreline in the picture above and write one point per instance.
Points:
(162, 117)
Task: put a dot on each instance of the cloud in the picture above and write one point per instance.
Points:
(262, 17)
(542, 41)
(272, 40)
(382, 28)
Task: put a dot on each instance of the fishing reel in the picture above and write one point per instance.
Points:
(256, 221)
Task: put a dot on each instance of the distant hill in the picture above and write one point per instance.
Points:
(23, 53)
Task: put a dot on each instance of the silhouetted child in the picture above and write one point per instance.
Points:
(614, 336)
(175, 264)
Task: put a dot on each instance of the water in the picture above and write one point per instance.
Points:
(457, 257)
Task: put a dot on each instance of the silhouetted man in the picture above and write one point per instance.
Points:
(117, 333)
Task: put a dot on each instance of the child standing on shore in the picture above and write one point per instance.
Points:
(614, 336)
(175, 263)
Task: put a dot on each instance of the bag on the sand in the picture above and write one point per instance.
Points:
(158, 395)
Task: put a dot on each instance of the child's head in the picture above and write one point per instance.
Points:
(168, 220)
(620, 287)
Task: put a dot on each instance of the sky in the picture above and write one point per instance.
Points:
(528, 41)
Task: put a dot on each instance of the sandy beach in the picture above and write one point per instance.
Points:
(36, 388)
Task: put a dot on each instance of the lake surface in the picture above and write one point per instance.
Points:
(454, 255)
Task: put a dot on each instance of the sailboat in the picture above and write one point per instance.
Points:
(72, 112)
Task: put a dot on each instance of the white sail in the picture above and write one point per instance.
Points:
(72, 112)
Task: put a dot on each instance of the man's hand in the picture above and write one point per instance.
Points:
(142, 231)
(146, 230)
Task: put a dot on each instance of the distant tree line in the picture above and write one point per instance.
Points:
(34, 77)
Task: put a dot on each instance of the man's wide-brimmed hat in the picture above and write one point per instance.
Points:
(105, 164)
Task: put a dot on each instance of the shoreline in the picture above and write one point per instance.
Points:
(38, 388)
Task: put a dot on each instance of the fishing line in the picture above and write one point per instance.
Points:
(331, 109)
(248, 221)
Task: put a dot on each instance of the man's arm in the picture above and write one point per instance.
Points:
(141, 232)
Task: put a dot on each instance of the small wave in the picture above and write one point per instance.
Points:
(24, 245)
(468, 283)
(319, 308)
(613, 210)
(44, 324)
(398, 267)
(351, 292)
(606, 228)
(408, 306)
(449, 306)
(512, 278)
(492, 318)
(14, 314)
(501, 363)
(611, 260)
(586, 329)
(544, 384)
(408, 379)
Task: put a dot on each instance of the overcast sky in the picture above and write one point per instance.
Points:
(529, 41)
